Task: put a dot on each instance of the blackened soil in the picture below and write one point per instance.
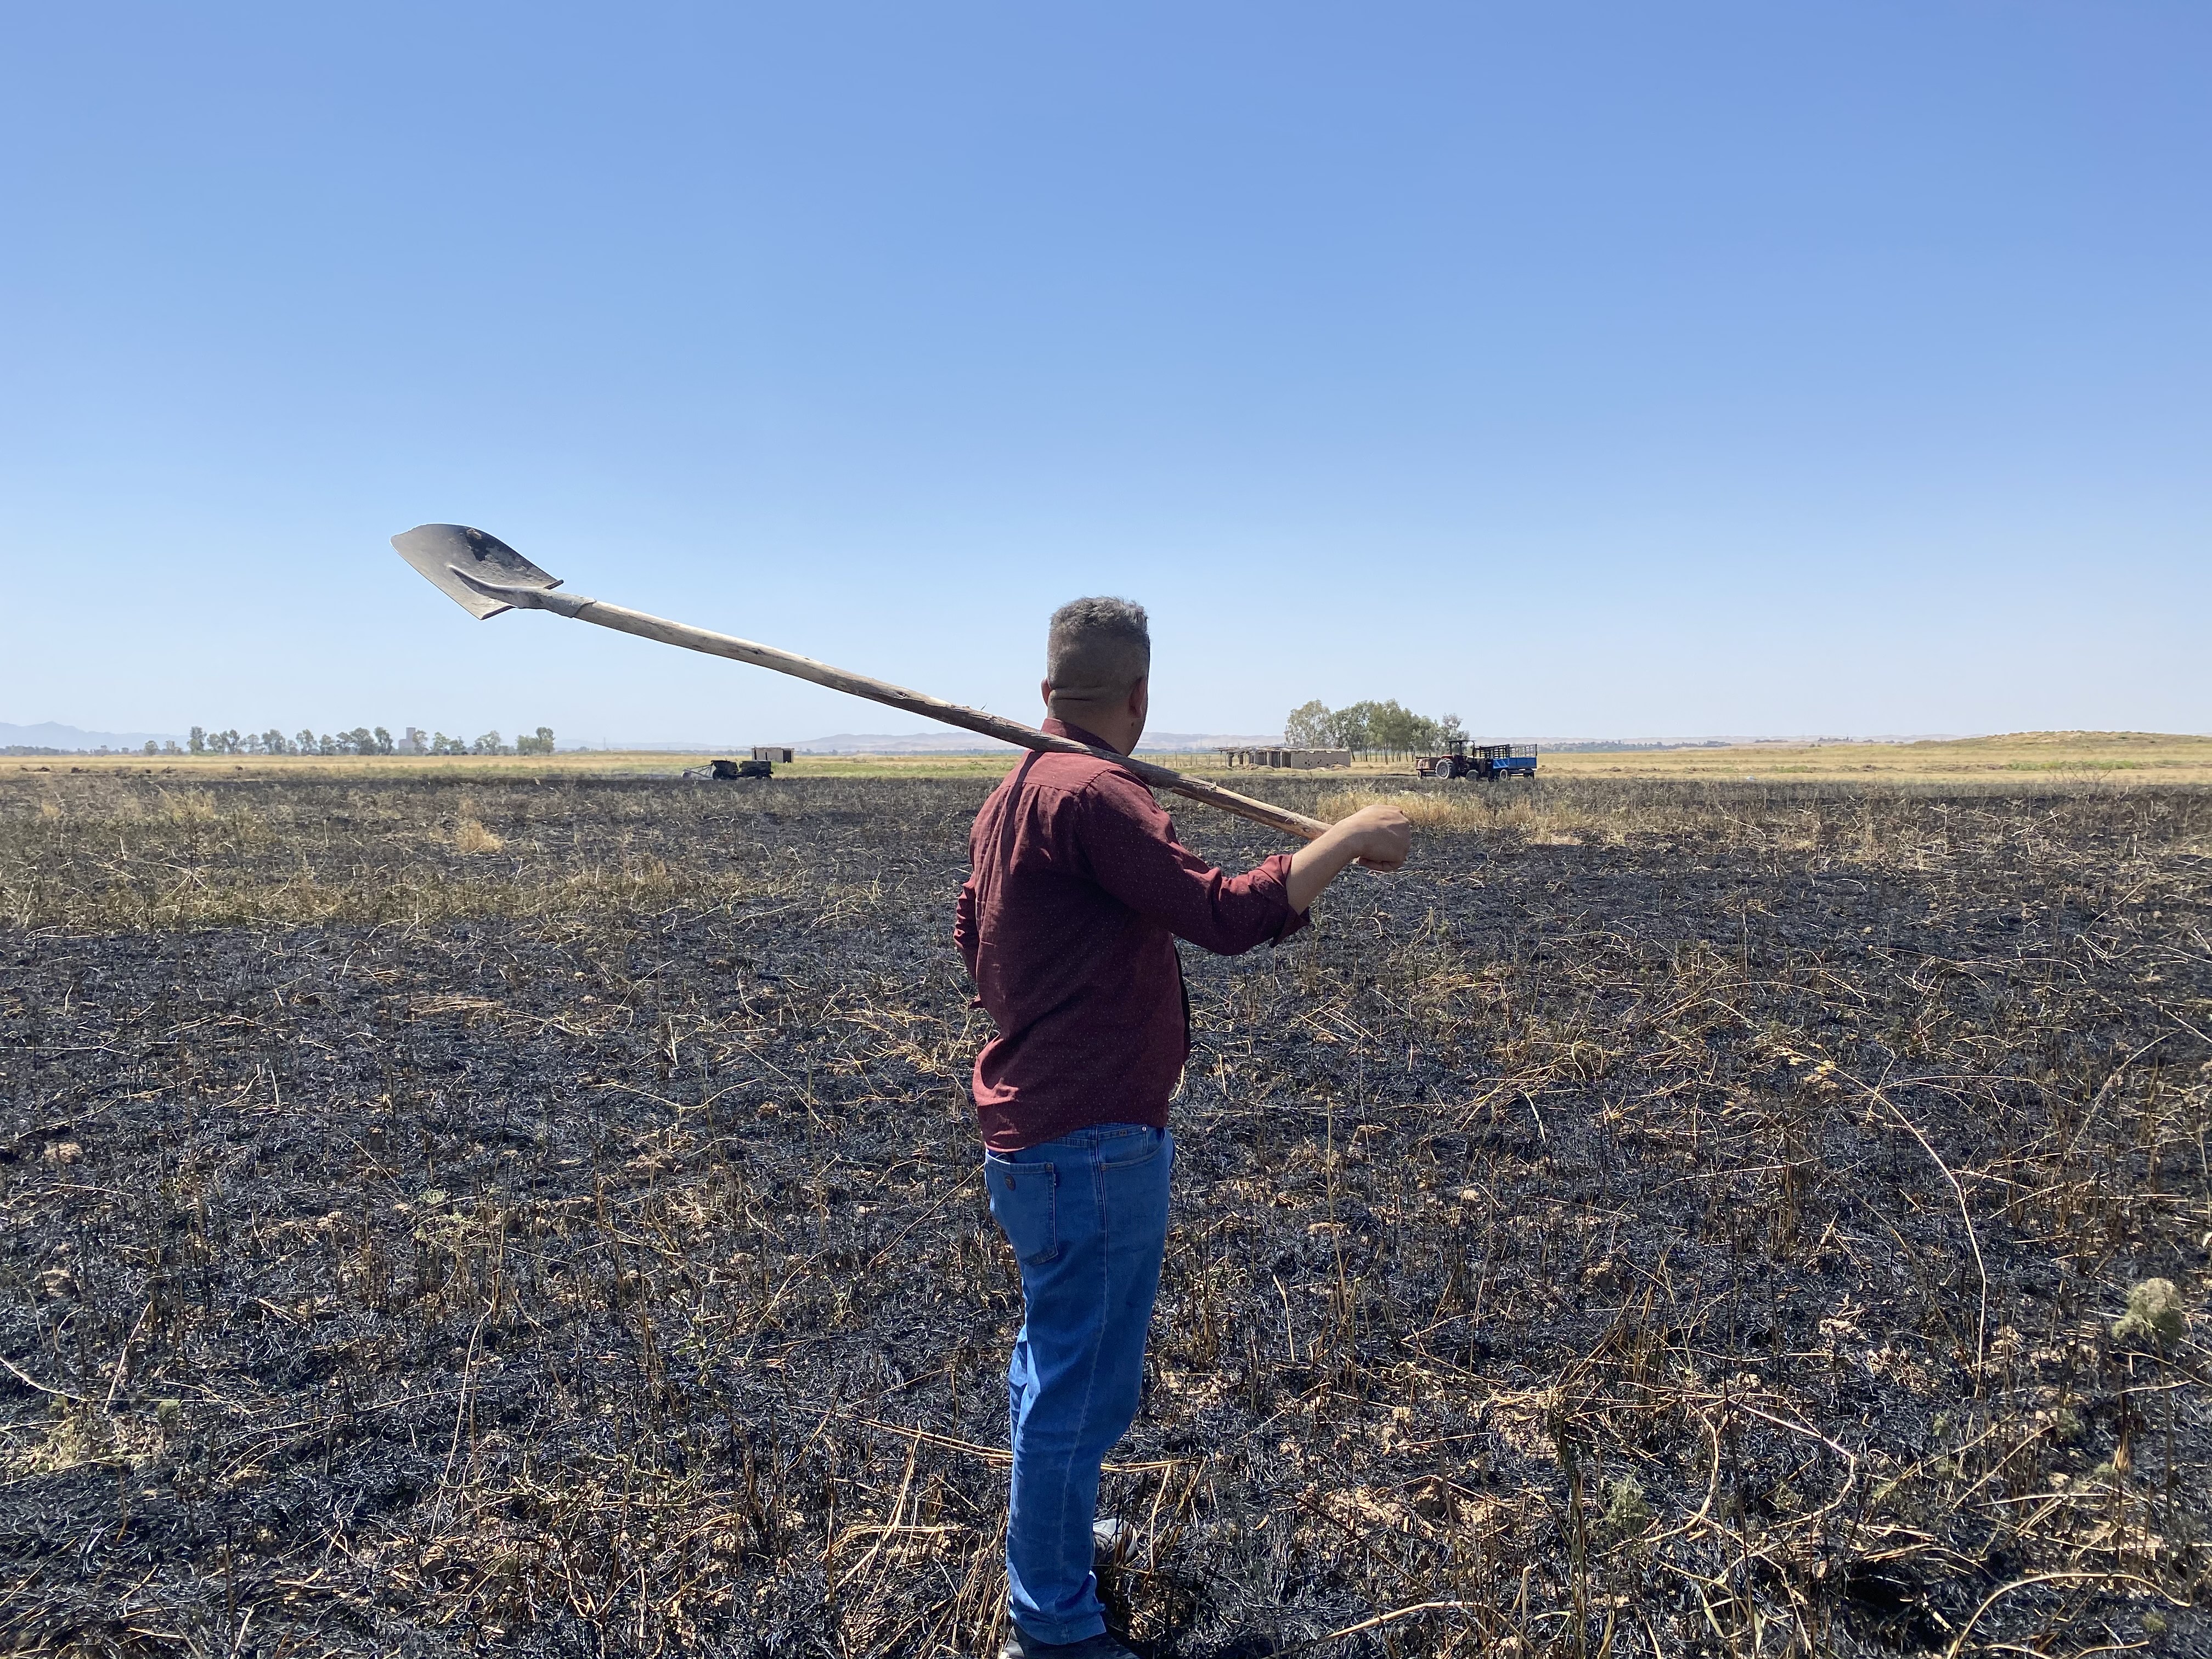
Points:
(1687, 1219)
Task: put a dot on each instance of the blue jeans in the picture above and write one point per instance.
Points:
(1087, 1216)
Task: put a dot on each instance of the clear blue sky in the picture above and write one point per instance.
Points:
(1584, 369)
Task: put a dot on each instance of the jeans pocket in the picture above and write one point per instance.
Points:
(1131, 1150)
(1024, 1202)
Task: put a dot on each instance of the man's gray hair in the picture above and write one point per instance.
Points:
(1096, 649)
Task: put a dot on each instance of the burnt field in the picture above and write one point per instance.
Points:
(542, 1218)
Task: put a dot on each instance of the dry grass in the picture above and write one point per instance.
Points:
(1548, 822)
(1910, 822)
(188, 770)
(2028, 757)
(101, 853)
(2117, 756)
(471, 836)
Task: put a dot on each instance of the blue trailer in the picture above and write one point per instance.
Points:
(1486, 763)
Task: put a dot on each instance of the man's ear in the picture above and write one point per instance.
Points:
(1141, 695)
(1044, 690)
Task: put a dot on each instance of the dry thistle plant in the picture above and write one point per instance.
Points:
(2155, 1315)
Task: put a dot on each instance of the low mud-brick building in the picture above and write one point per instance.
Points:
(1296, 759)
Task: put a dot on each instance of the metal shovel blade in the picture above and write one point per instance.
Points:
(438, 550)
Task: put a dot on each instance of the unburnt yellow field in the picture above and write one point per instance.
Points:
(2119, 757)
(593, 762)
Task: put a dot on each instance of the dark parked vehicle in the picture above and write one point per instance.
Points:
(728, 770)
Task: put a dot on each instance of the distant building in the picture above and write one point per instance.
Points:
(415, 743)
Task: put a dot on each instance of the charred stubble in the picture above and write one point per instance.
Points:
(1675, 1218)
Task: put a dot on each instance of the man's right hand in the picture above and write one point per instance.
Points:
(1384, 836)
(1380, 838)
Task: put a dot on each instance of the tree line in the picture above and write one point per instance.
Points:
(361, 740)
(1368, 728)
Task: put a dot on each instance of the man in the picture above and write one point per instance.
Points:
(1067, 923)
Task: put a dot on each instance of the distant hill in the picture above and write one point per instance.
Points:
(1625, 746)
(1186, 743)
(47, 734)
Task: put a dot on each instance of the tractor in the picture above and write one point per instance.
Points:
(1487, 761)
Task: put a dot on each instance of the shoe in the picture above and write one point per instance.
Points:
(1111, 1543)
(1018, 1646)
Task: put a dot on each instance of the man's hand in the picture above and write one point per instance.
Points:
(1385, 836)
(1380, 838)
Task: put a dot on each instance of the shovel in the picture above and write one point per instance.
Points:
(485, 576)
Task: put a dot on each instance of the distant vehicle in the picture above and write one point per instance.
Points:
(1486, 763)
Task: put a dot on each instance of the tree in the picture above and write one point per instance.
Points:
(1347, 727)
(197, 742)
(1390, 727)
(1366, 726)
(1449, 731)
(488, 744)
(1393, 727)
(1306, 727)
(382, 741)
(306, 742)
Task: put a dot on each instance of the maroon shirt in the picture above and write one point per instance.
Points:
(1068, 922)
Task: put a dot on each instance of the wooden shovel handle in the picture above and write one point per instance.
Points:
(627, 621)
